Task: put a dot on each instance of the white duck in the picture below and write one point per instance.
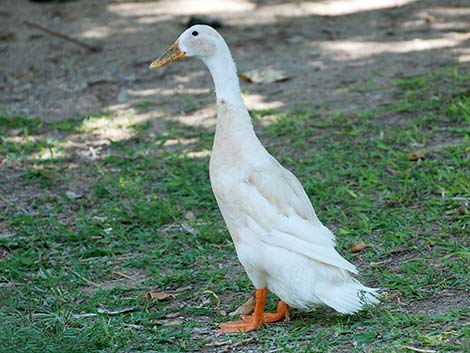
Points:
(280, 242)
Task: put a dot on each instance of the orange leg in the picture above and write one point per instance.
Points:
(259, 317)
(281, 314)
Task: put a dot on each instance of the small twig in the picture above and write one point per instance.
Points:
(420, 350)
(242, 342)
(137, 327)
(92, 48)
(123, 275)
(84, 316)
(85, 279)
(118, 311)
(182, 289)
(230, 343)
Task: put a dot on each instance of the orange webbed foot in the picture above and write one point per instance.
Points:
(239, 326)
(259, 317)
(281, 314)
(256, 321)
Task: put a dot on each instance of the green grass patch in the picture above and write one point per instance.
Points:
(74, 271)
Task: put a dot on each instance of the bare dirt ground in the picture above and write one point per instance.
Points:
(340, 55)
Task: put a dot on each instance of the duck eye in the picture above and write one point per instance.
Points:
(195, 33)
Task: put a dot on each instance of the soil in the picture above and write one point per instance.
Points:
(340, 56)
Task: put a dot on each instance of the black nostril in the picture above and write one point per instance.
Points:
(195, 33)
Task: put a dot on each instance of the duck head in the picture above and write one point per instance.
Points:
(200, 41)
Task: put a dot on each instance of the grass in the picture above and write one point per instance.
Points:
(74, 271)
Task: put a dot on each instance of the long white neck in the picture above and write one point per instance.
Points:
(224, 74)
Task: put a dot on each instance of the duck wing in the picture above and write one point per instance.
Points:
(280, 213)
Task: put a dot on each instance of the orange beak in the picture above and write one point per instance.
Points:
(173, 53)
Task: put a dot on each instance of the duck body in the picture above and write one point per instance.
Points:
(279, 240)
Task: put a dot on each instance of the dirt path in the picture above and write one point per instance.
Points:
(341, 56)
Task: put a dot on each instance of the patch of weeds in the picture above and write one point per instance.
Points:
(459, 109)
(68, 125)
(368, 86)
(21, 123)
(140, 129)
(434, 91)
(136, 204)
(143, 106)
(97, 121)
(191, 104)
(415, 83)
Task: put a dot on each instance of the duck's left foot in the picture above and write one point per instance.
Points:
(281, 314)
(240, 326)
(255, 321)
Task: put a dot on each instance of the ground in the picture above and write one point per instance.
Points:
(104, 189)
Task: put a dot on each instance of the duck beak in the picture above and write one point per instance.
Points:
(173, 53)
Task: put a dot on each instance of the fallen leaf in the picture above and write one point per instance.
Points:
(359, 247)
(394, 172)
(190, 216)
(246, 308)
(416, 156)
(72, 195)
(159, 296)
(266, 75)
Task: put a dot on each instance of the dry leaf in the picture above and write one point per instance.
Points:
(359, 247)
(416, 156)
(190, 216)
(266, 75)
(159, 296)
(72, 195)
(394, 172)
(246, 308)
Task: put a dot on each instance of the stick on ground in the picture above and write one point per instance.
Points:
(92, 48)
